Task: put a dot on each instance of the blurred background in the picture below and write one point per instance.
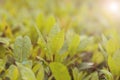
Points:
(83, 16)
(91, 30)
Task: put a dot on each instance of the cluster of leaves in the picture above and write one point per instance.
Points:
(44, 48)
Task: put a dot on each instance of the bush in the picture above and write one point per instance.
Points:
(41, 40)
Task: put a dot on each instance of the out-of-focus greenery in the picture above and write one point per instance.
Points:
(58, 40)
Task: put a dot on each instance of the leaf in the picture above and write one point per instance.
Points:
(116, 56)
(43, 45)
(38, 69)
(40, 21)
(22, 48)
(111, 46)
(113, 66)
(74, 44)
(114, 63)
(50, 22)
(98, 57)
(75, 74)
(78, 75)
(108, 75)
(54, 31)
(4, 41)
(61, 57)
(84, 43)
(59, 71)
(95, 76)
(8, 32)
(40, 74)
(92, 76)
(5, 27)
(2, 65)
(27, 63)
(56, 42)
(82, 75)
(2, 52)
(85, 65)
(26, 73)
(13, 73)
(103, 52)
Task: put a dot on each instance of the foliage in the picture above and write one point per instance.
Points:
(45, 40)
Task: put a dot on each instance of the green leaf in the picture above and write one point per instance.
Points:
(54, 31)
(4, 41)
(85, 65)
(61, 57)
(2, 51)
(59, 71)
(56, 42)
(92, 76)
(13, 73)
(78, 75)
(43, 45)
(75, 74)
(26, 73)
(22, 48)
(84, 42)
(27, 63)
(74, 44)
(97, 57)
(2, 65)
(114, 63)
(82, 75)
(113, 66)
(40, 21)
(112, 46)
(50, 22)
(38, 69)
(108, 75)
(116, 57)
(40, 73)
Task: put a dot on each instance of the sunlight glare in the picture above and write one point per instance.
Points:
(112, 7)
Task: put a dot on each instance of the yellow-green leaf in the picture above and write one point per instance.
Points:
(98, 57)
(4, 41)
(38, 69)
(40, 74)
(40, 21)
(26, 73)
(50, 22)
(74, 44)
(13, 73)
(114, 63)
(2, 65)
(108, 75)
(111, 46)
(56, 42)
(59, 71)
